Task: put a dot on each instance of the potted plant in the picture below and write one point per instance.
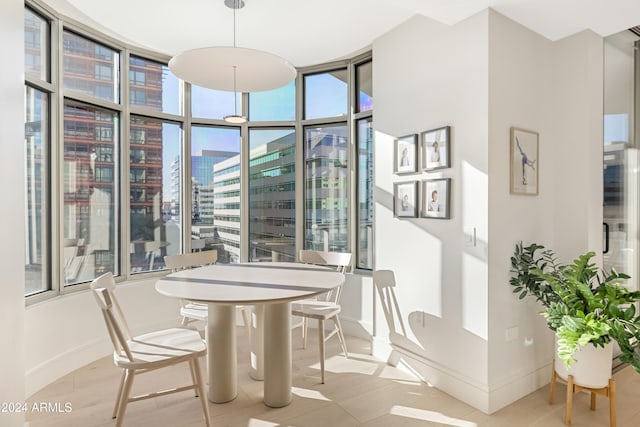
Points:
(583, 304)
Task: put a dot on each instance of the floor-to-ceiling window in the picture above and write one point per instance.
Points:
(364, 172)
(364, 199)
(326, 156)
(215, 191)
(326, 188)
(155, 165)
(90, 191)
(127, 164)
(272, 204)
(153, 148)
(37, 151)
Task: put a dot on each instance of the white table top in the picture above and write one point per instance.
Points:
(250, 283)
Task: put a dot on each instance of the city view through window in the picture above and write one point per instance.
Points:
(125, 199)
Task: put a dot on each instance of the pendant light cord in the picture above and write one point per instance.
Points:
(234, 22)
(235, 93)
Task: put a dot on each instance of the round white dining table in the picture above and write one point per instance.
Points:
(270, 287)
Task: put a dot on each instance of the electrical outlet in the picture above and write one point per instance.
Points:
(511, 334)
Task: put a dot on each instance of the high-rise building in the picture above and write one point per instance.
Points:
(92, 156)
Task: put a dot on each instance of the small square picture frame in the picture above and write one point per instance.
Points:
(405, 158)
(405, 199)
(524, 162)
(435, 148)
(436, 198)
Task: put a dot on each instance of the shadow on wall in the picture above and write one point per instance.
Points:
(425, 338)
(399, 340)
(422, 325)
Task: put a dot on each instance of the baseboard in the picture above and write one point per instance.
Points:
(63, 363)
(443, 378)
(68, 361)
(482, 397)
(508, 392)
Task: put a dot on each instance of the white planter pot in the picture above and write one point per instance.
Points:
(592, 367)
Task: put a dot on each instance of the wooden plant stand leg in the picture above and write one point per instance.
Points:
(570, 388)
(552, 385)
(612, 402)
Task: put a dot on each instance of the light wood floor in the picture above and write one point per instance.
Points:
(359, 391)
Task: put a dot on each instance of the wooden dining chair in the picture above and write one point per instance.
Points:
(326, 306)
(194, 311)
(147, 352)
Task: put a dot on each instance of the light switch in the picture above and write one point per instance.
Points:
(469, 236)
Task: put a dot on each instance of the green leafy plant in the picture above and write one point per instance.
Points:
(582, 303)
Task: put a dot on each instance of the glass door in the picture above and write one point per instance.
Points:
(621, 160)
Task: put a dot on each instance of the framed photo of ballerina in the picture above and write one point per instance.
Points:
(524, 162)
(435, 148)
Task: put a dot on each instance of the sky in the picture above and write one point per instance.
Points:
(326, 97)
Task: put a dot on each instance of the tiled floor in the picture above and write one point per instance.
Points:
(359, 391)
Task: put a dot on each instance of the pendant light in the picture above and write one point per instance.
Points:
(233, 68)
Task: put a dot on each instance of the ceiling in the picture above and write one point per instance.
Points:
(308, 32)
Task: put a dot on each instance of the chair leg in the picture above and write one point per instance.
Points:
(194, 379)
(321, 343)
(592, 405)
(124, 396)
(394, 358)
(567, 415)
(199, 383)
(552, 385)
(117, 404)
(343, 342)
(612, 402)
(304, 332)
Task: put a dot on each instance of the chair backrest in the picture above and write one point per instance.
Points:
(198, 244)
(103, 290)
(385, 282)
(341, 260)
(189, 260)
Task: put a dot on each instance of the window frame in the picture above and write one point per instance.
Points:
(58, 96)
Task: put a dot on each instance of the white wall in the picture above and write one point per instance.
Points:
(482, 77)
(357, 303)
(556, 90)
(428, 75)
(11, 177)
(521, 95)
(579, 86)
(78, 335)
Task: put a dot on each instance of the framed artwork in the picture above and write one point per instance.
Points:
(436, 196)
(435, 146)
(524, 162)
(405, 199)
(406, 154)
